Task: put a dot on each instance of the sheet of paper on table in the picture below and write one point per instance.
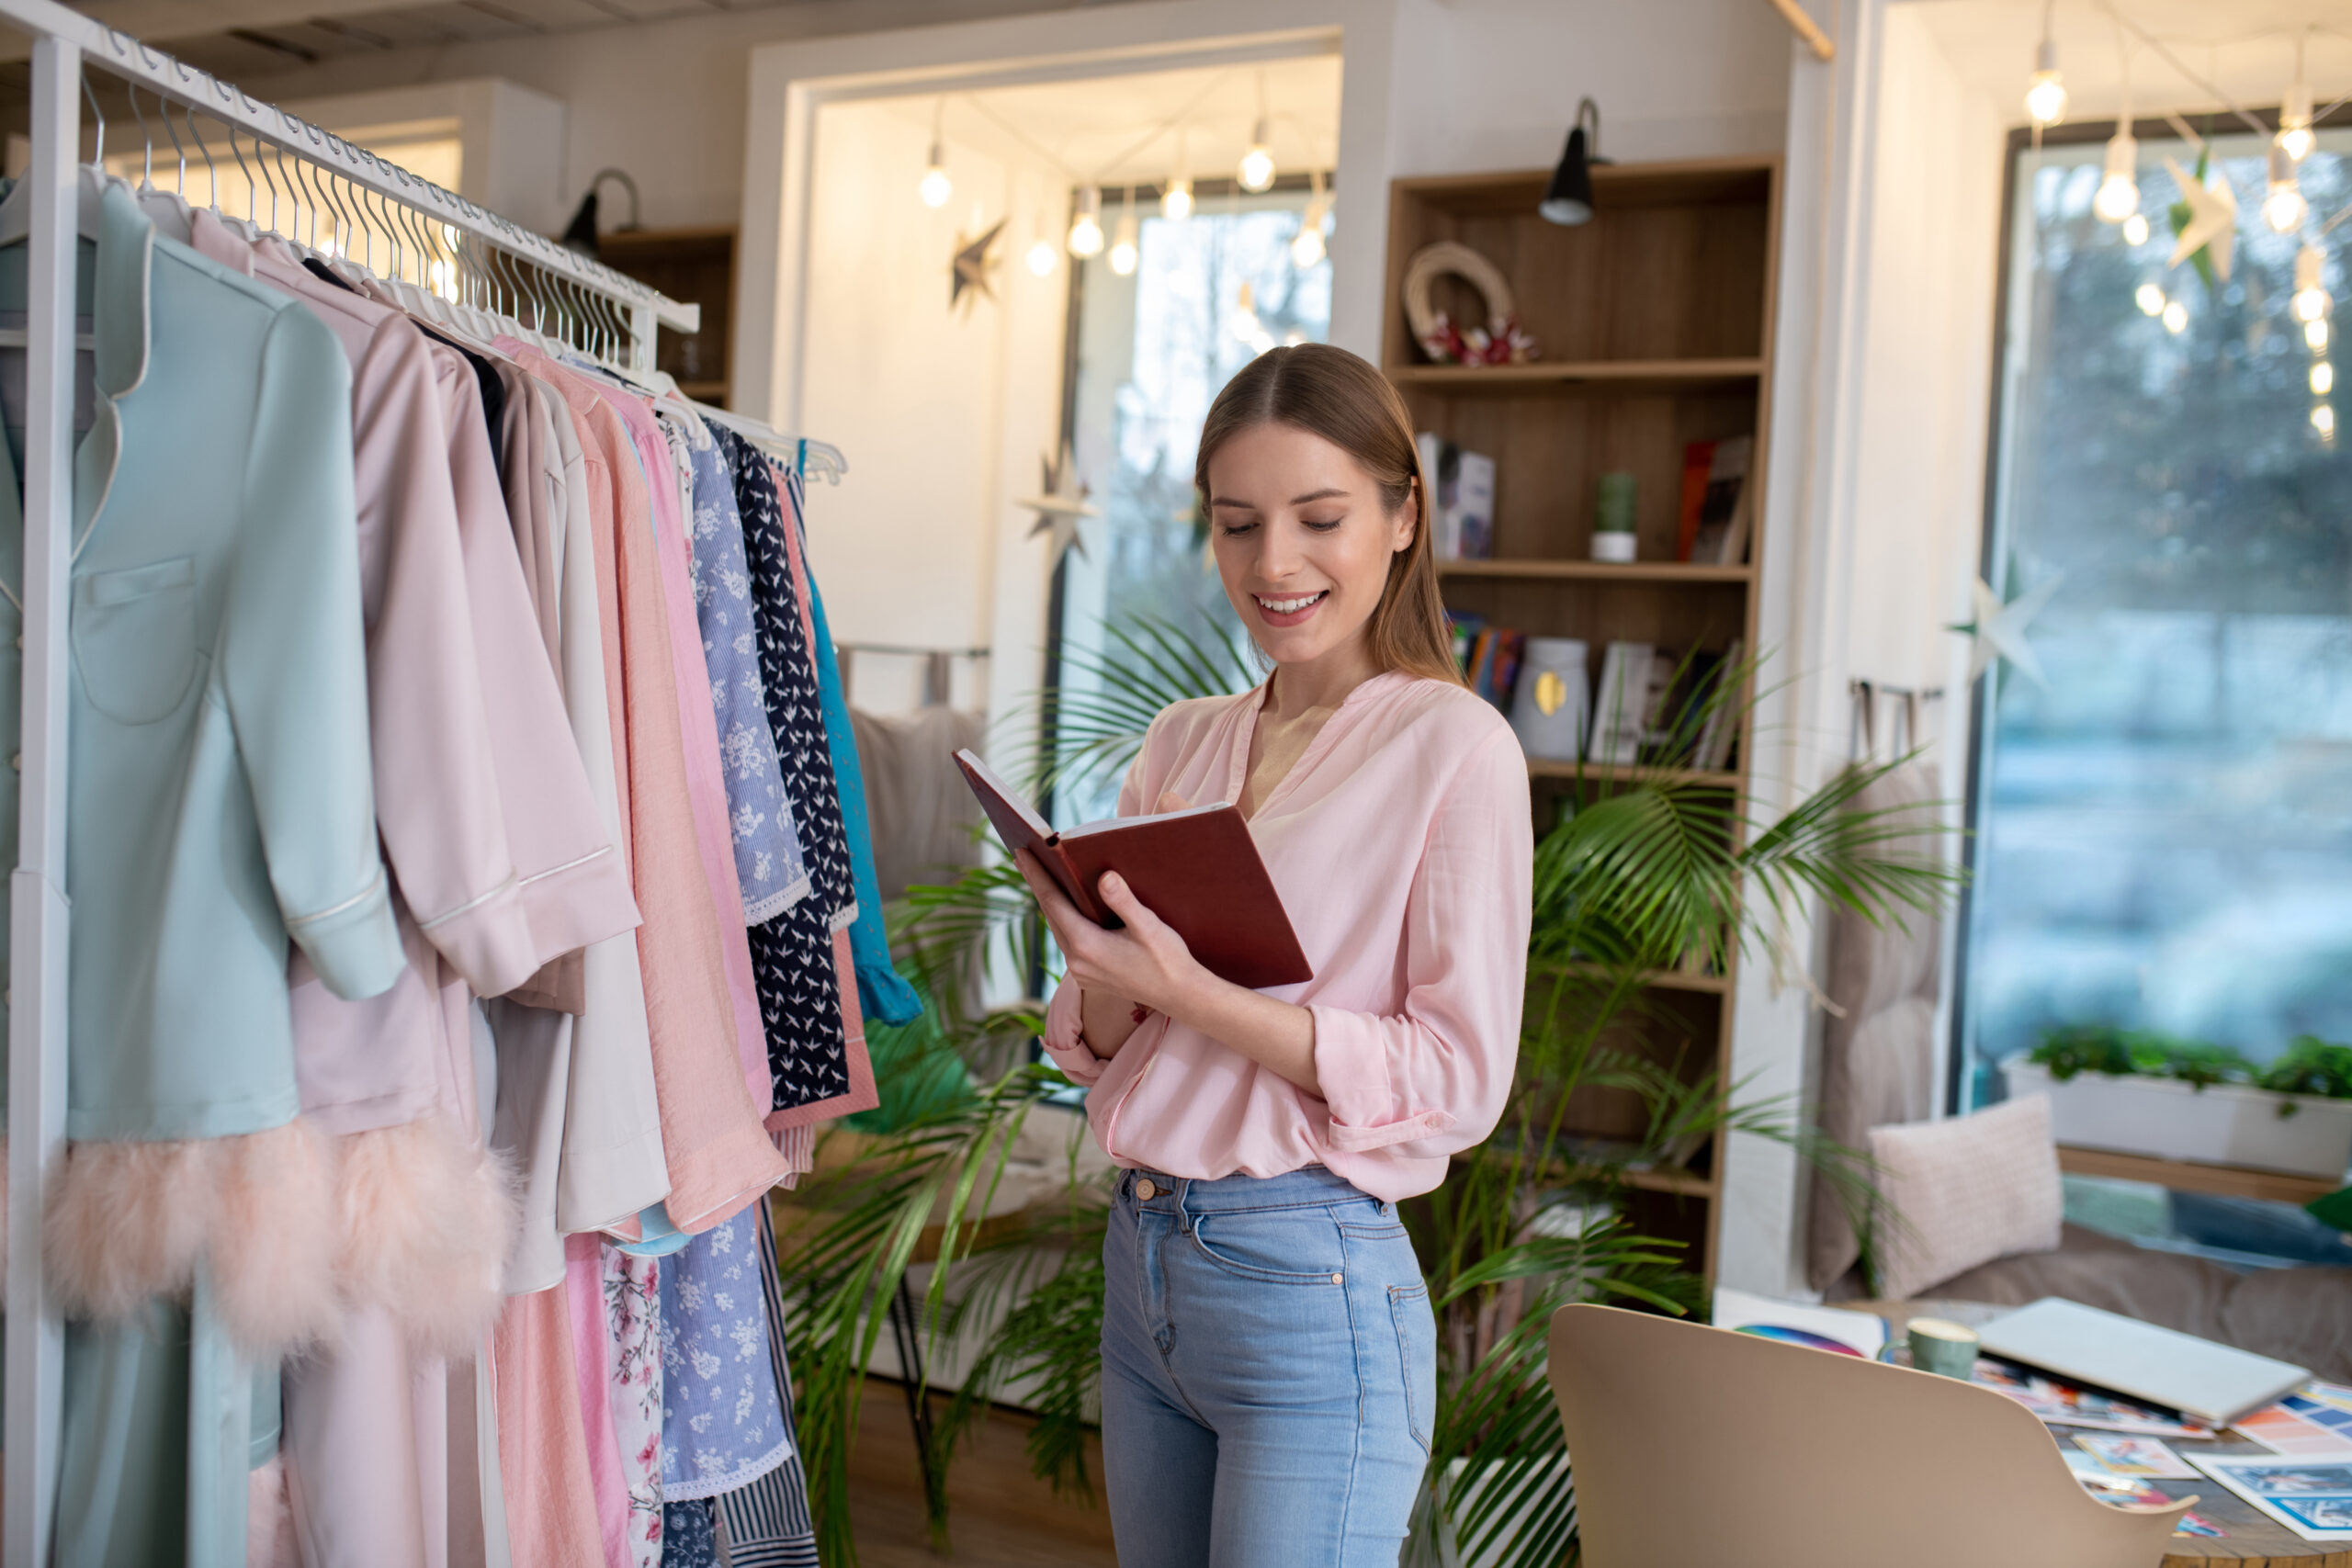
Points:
(2313, 1498)
(1795, 1323)
(2315, 1422)
(2121, 1454)
(2131, 1492)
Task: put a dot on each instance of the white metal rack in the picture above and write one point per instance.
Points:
(64, 42)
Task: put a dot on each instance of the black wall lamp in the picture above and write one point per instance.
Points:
(579, 234)
(1569, 199)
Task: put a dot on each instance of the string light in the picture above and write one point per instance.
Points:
(2151, 299)
(1042, 256)
(1123, 249)
(2322, 378)
(935, 186)
(2295, 138)
(1256, 170)
(2284, 208)
(1306, 249)
(2136, 230)
(2045, 94)
(2311, 301)
(2324, 420)
(2316, 335)
(1086, 229)
(2175, 318)
(1245, 313)
(2119, 191)
(1176, 196)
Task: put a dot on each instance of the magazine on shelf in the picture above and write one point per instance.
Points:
(1621, 704)
(1462, 488)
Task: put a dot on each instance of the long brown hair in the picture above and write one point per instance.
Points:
(1329, 392)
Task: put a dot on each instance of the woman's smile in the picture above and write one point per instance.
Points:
(1289, 609)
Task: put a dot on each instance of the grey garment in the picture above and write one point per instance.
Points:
(921, 811)
(1878, 1049)
(768, 859)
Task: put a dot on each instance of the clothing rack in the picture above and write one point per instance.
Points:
(487, 257)
(937, 673)
(1861, 736)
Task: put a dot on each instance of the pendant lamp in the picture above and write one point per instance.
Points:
(1569, 199)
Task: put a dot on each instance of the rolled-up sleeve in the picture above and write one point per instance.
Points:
(1065, 1038)
(1435, 1074)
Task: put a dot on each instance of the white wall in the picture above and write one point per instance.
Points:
(941, 411)
(1881, 389)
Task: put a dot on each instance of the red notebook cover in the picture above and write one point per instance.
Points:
(1198, 870)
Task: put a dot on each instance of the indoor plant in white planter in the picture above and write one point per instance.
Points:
(2145, 1095)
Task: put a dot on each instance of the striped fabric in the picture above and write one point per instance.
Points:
(766, 1523)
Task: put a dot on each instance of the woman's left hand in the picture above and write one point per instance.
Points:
(1145, 961)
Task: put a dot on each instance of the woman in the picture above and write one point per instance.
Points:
(1269, 1355)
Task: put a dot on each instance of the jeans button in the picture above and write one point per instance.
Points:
(1339, 1279)
(1146, 1190)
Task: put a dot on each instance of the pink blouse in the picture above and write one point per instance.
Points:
(1403, 850)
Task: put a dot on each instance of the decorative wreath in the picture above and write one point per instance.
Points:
(1500, 342)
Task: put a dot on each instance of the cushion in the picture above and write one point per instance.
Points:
(1961, 1192)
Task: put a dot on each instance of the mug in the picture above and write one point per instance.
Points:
(1942, 1346)
(1553, 696)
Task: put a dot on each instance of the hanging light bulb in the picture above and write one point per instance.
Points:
(2284, 208)
(1176, 196)
(2316, 335)
(2175, 318)
(1123, 249)
(2136, 230)
(2311, 299)
(2151, 299)
(935, 186)
(2118, 189)
(1042, 256)
(1256, 171)
(2295, 114)
(1306, 248)
(2045, 94)
(2322, 378)
(1086, 229)
(2323, 419)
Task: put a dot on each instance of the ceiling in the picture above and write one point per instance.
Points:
(1118, 130)
(2246, 48)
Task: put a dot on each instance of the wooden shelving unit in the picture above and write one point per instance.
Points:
(685, 263)
(1655, 322)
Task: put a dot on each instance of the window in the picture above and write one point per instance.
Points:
(2162, 825)
(1208, 294)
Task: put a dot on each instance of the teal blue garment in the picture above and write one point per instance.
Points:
(657, 1236)
(881, 993)
(222, 802)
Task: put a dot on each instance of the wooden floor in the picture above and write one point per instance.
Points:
(1000, 1516)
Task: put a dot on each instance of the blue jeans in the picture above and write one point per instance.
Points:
(1269, 1373)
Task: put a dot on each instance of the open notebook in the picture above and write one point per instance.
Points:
(1198, 870)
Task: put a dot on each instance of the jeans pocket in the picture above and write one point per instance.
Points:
(1417, 1355)
(1288, 1247)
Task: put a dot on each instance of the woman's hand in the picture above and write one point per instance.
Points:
(1146, 961)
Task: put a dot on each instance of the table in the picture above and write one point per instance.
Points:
(2254, 1539)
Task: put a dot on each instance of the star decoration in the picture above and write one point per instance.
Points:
(1998, 630)
(976, 260)
(1061, 504)
(2206, 218)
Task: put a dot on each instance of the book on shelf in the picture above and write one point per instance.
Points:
(1713, 521)
(1657, 707)
(1465, 627)
(1491, 662)
(1462, 485)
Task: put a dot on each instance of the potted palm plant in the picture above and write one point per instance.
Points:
(1655, 872)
